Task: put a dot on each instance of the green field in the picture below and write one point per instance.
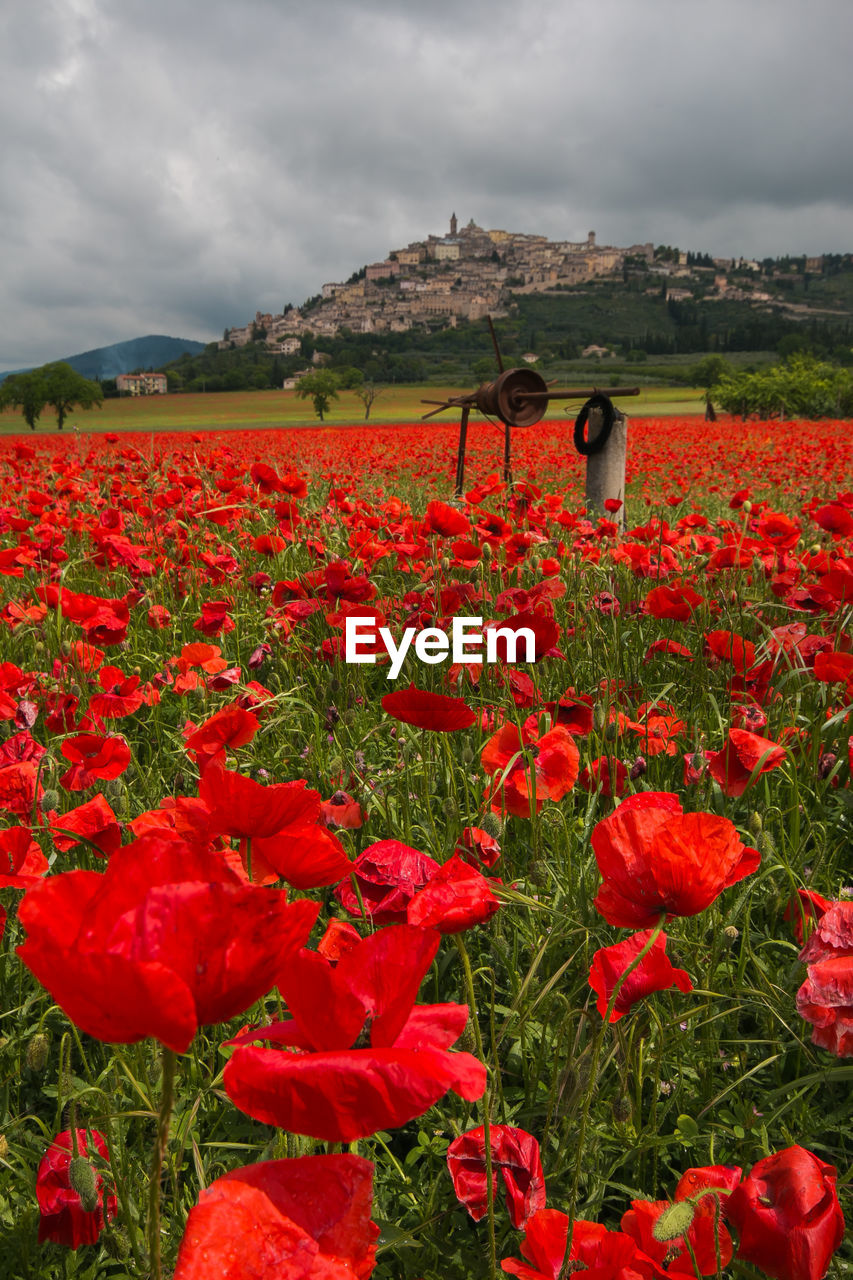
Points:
(228, 410)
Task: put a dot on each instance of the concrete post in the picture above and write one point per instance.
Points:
(605, 471)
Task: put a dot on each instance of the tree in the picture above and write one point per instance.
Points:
(484, 369)
(367, 393)
(27, 392)
(65, 388)
(321, 386)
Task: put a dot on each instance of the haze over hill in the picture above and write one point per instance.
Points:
(150, 352)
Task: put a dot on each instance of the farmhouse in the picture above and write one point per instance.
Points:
(142, 384)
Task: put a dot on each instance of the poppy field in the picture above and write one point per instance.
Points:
(534, 967)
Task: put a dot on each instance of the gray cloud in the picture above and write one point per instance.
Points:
(171, 167)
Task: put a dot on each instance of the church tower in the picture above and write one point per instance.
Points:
(453, 224)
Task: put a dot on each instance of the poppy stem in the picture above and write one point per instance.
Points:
(486, 1104)
(167, 1093)
(593, 1073)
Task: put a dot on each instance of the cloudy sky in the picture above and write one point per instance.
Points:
(171, 166)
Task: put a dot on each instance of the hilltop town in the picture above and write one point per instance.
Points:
(469, 272)
(465, 274)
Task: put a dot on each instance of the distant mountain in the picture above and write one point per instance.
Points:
(150, 352)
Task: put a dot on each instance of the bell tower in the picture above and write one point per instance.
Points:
(453, 224)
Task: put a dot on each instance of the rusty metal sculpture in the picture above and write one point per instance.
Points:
(519, 398)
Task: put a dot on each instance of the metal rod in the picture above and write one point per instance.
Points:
(575, 393)
(495, 343)
(460, 458)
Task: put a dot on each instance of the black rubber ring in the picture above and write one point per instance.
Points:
(588, 447)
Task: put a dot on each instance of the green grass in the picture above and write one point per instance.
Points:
(240, 410)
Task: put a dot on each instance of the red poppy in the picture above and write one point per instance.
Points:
(725, 646)
(835, 519)
(158, 617)
(445, 520)
(606, 1255)
(95, 757)
(427, 710)
(654, 859)
(743, 755)
(104, 621)
(20, 788)
(232, 727)
(341, 810)
(215, 618)
(64, 1220)
(671, 647)
(804, 910)
(122, 695)
(573, 711)
(339, 938)
(539, 621)
(826, 997)
(653, 973)
(365, 1057)
(94, 822)
(478, 847)
(239, 806)
(389, 874)
(306, 857)
(555, 761)
(834, 666)
(748, 715)
(705, 1232)
(787, 1215)
(676, 602)
(515, 1155)
(456, 898)
(295, 1219)
(165, 940)
(598, 775)
(22, 862)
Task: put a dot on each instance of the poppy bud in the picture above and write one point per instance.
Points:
(116, 1243)
(37, 1051)
(747, 506)
(534, 563)
(66, 647)
(467, 756)
(487, 551)
(445, 564)
(756, 824)
(674, 1222)
(622, 1109)
(765, 845)
(75, 690)
(611, 733)
(49, 800)
(82, 1178)
(537, 872)
(492, 825)
(450, 808)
